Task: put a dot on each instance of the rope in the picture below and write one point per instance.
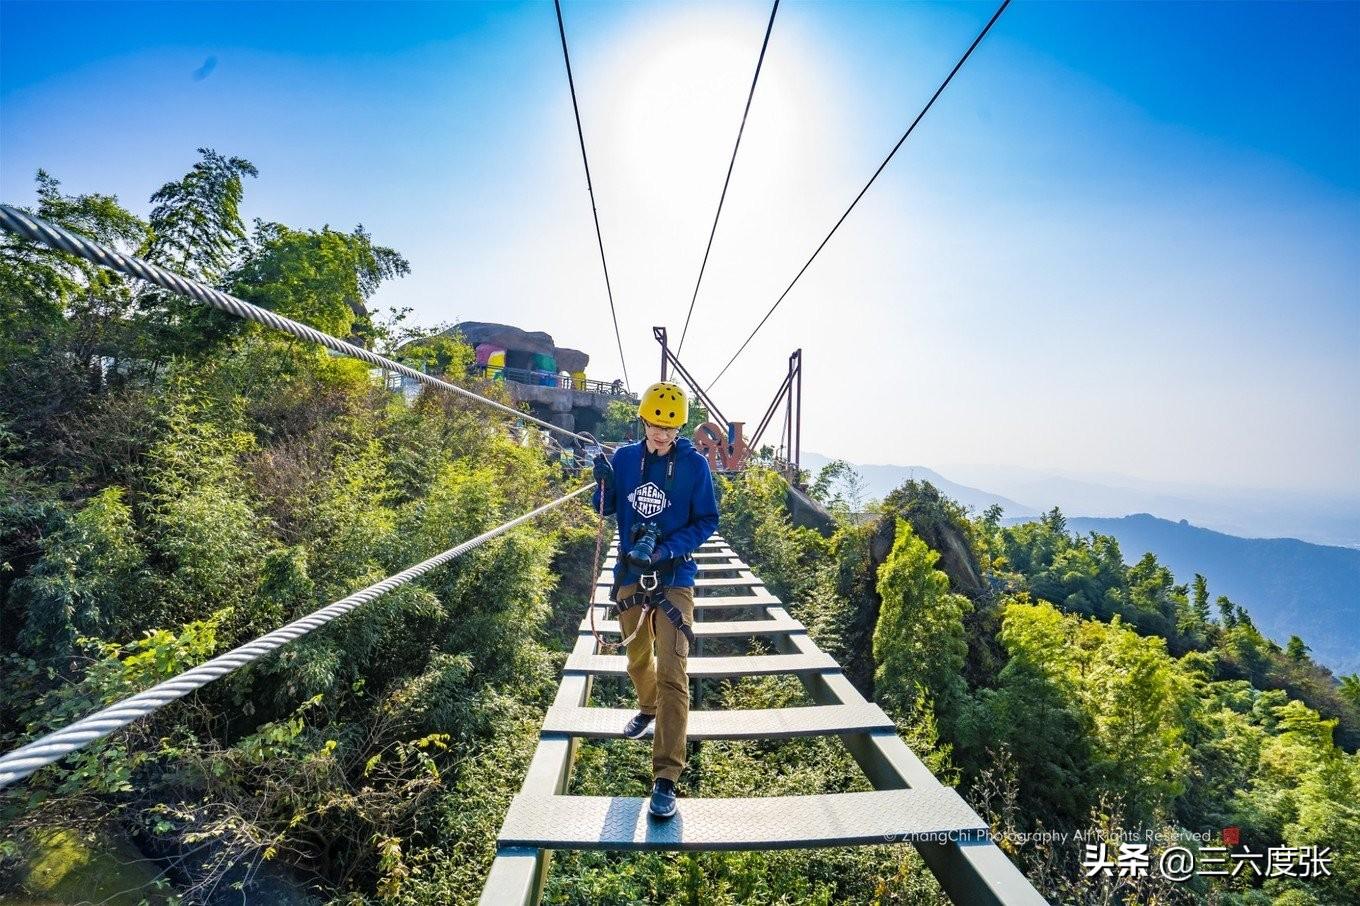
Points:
(54, 746)
(599, 237)
(910, 129)
(18, 222)
(605, 646)
(723, 197)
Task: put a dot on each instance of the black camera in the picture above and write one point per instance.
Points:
(644, 545)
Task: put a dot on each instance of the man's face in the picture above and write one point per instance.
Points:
(659, 439)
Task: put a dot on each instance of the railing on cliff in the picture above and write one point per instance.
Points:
(538, 378)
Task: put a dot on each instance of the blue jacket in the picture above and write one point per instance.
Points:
(687, 514)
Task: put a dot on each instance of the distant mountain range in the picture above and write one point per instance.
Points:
(880, 481)
(1289, 586)
(1319, 518)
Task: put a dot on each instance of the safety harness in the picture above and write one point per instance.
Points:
(652, 594)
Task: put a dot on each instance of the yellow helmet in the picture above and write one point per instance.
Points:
(664, 404)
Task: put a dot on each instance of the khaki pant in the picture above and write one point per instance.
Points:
(661, 681)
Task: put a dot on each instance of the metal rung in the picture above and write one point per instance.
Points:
(701, 552)
(762, 723)
(772, 822)
(741, 665)
(704, 601)
(608, 567)
(737, 582)
(715, 629)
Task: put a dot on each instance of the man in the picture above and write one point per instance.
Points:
(662, 492)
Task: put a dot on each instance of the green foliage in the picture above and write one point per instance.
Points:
(445, 356)
(114, 671)
(1134, 701)
(620, 422)
(62, 317)
(841, 489)
(227, 481)
(319, 277)
(919, 642)
(1350, 688)
(755, 519)
(196, 222)
(87, 579)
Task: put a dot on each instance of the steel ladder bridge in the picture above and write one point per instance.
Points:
(907, 803)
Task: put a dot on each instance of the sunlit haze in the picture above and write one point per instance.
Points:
(1125, 240)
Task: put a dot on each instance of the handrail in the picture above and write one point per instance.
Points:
(536, 377)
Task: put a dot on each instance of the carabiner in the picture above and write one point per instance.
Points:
(642, 581)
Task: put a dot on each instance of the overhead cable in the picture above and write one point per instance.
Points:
(938, 91)
(732, 163)
(590, 187)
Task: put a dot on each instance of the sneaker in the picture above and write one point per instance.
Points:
(663, 798)
(638, 725)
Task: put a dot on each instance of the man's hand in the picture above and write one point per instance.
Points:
(603, 470)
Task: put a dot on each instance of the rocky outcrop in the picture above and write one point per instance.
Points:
(478, 332)
(572, 360)
(808, 513)
(523, 342)
(956, 560)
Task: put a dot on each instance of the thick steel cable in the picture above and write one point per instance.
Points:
(16, 221)
(54, 746)
(938, 91)
(732, 163)
(599, 237)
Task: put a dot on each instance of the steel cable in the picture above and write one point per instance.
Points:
(732, 163)
(54, 746)
(938, 91)
(36, 229)
(599, 237)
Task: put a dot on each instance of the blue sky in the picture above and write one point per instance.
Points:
(1125, 240)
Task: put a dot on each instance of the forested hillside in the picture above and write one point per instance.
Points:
(174, 483)
(1291, 587)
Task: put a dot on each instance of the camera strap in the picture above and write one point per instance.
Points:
(670, 467)
(660, 576)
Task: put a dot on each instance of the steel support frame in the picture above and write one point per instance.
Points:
(790, 393)
(668, 357)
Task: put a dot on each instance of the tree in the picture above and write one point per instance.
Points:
(1055, 521)
(1296, 650)
(919, 641)
(196, 223)
(61, 317)
(1350, 688)
(1132, 696)
(197, 231)
(1201, 599)
(87, 580)
(39, 286)
(319, 277)
(1226, 611)
(841, 488)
